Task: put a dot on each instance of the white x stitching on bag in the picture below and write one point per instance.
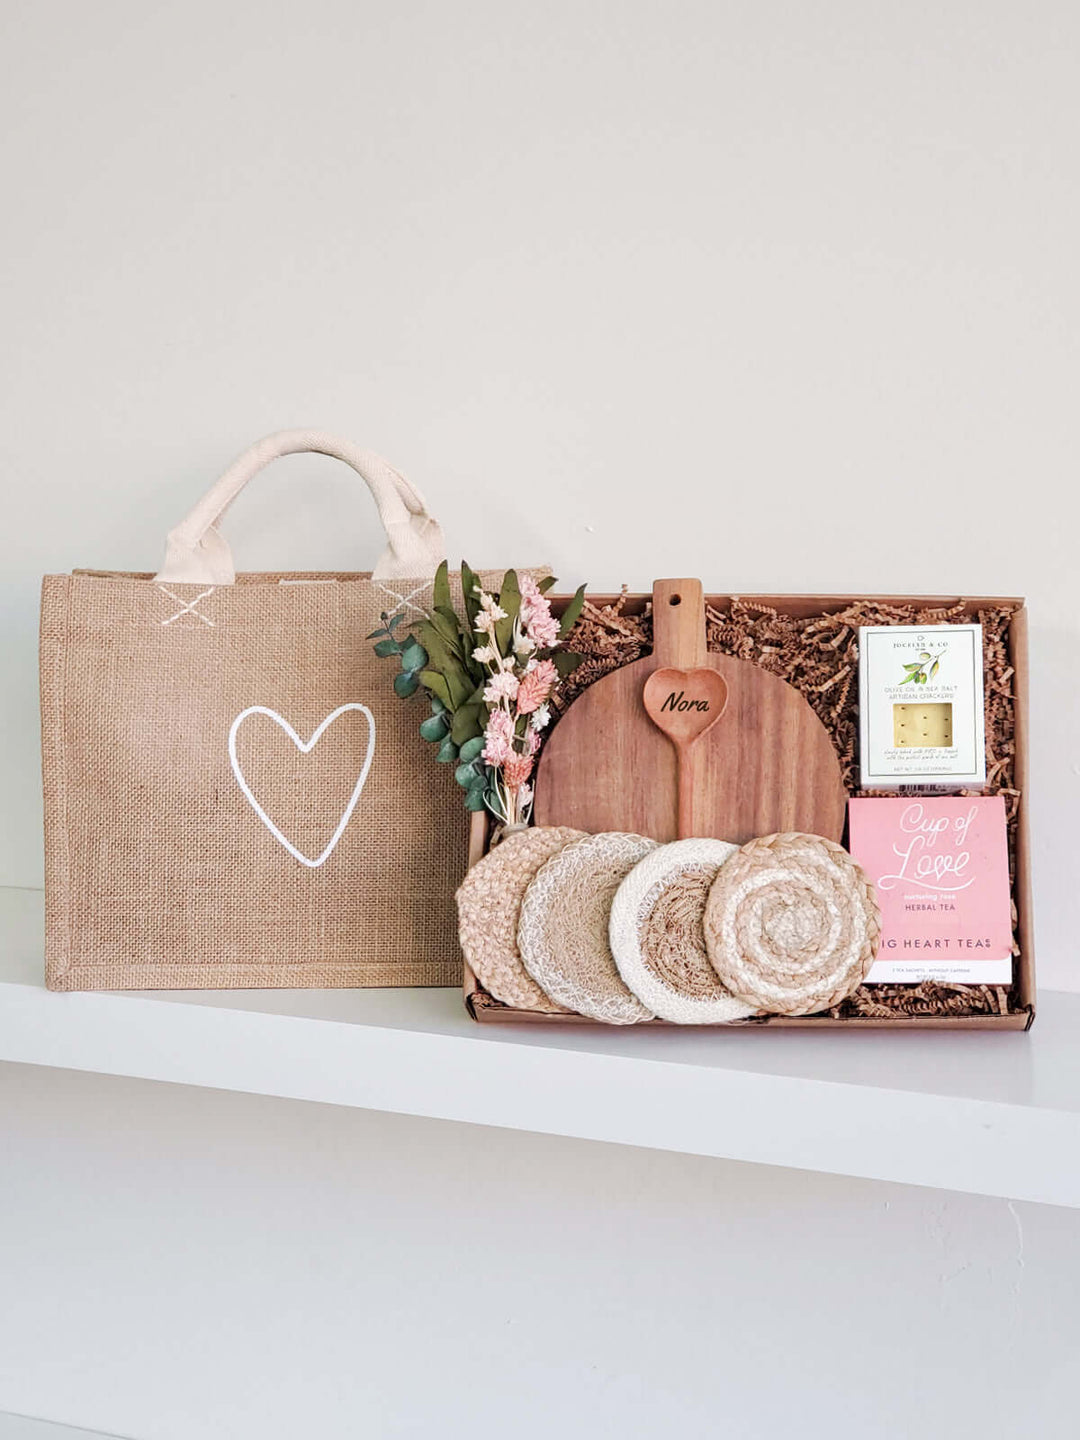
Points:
(406, 601)
(187, 607)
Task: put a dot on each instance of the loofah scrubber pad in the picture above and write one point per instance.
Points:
(489, 907)
(792, 924)
(657, 934)
(563, 931)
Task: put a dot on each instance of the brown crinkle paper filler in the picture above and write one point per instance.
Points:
(608, 639)
(819, 656)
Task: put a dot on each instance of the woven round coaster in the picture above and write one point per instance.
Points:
(489, 905)
(792, 924)
(657, 934)
(563, 932)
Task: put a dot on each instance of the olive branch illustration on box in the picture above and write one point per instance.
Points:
(922, 670)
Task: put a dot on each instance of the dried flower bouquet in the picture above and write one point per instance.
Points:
(491, 674)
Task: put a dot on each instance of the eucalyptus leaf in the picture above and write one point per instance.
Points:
(387, 647)
(472, 748)
(437, 706)
(381, 631)
(405, 684)
(474, 799)
(435, 727)
(447, 752)
(572, 613)
(413, 656)
(467, 775)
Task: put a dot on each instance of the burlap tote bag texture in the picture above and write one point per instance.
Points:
(234, 795)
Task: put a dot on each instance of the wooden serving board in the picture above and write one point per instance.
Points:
(764, 764)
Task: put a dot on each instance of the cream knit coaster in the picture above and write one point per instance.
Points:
(658, 939)
(563, 932)
(489, 904)
(792, 924)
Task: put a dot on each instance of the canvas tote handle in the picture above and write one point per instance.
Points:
(197, 554)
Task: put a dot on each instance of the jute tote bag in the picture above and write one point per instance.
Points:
(234, 796)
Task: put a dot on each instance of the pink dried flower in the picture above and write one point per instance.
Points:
(503, 686)
(501, 722)
(498, 738)
(543, 629)
(540, 625)
(536, 686)
(532, 741)
(517, 770)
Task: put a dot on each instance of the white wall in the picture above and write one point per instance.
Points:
(636, 288)
(642, 289)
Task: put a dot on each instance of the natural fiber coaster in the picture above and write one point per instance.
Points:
(489, 904)
(563, 932)
(657, 934)
(792, 924)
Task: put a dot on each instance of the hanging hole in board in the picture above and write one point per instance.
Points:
(675, 600)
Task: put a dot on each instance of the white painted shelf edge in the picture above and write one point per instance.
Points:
(25, 1427)
(988, 1113)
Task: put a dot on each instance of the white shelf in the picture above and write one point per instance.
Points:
(23, 1427)
(990, 1113)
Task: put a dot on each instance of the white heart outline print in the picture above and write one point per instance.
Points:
(305, 748)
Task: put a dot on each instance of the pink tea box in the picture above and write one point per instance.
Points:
(941, 871)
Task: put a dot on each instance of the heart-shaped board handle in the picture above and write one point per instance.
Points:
(684, 703)
(683, 698)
